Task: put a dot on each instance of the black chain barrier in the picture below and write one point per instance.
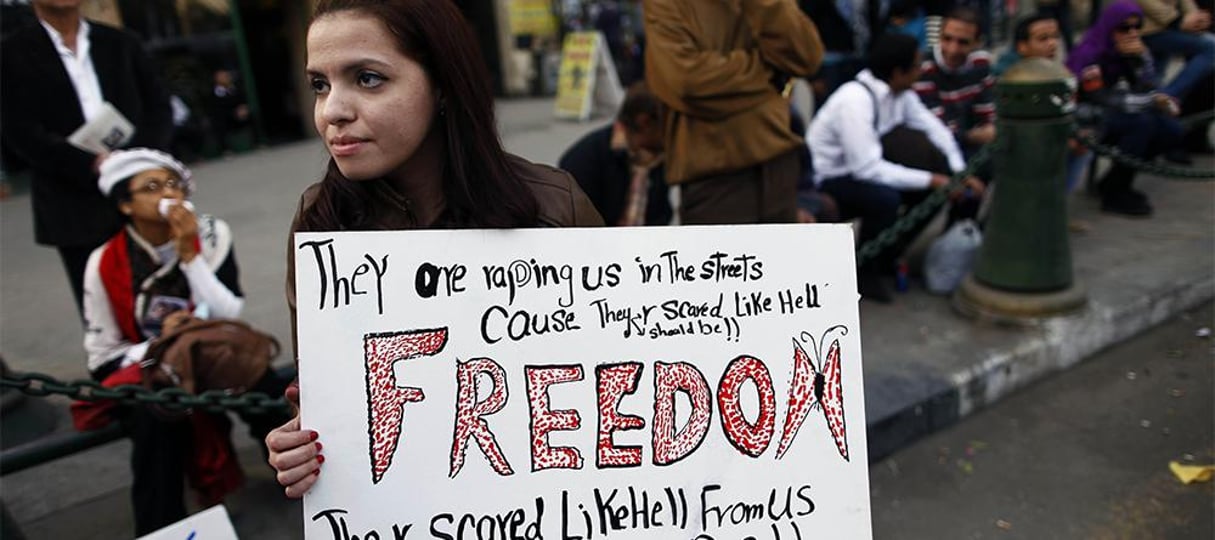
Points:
(41, 385)
(1180, 173)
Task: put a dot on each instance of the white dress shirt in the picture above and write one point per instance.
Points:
(80, 70)
(843, 141)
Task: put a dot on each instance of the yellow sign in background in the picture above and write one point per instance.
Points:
(576, 78)
(533, 17)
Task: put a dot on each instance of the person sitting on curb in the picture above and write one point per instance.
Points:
(166, 265)
(1035, 36)
(875, 146)
(1118, 79)
(619, 166)
(956, 84)
(1179, 27)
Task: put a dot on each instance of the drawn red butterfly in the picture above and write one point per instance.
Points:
(817, 388)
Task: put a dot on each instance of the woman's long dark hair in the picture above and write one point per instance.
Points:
(479, 186)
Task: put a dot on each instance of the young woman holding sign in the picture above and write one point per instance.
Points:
(414, 145)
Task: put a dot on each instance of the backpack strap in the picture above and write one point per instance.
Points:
(872, 97)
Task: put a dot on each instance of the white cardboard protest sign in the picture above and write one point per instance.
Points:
(210, 524)
(683, 382)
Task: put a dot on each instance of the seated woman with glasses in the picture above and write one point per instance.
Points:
(1119, 91)
(165, 267)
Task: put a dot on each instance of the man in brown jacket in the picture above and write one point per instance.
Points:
(716, 65)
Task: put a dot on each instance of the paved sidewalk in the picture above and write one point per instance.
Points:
(925, 366)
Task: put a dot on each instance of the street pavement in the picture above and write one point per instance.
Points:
(925, 367)
(1083, 455)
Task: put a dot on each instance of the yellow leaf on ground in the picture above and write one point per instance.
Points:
(1189, 474)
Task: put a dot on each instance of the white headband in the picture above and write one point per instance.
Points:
(123, 164)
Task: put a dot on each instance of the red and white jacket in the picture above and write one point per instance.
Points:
(130, 285)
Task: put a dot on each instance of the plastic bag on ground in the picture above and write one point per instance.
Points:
(951, 256)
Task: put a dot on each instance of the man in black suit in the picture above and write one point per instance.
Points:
(57, 74)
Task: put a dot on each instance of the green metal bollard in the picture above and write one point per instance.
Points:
(1024, 269)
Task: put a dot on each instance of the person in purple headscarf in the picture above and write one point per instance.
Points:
(1118, 80)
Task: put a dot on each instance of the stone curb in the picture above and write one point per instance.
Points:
(1054, 345)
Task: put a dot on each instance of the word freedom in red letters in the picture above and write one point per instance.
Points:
(388, 402)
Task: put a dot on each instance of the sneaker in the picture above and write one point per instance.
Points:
(873, 287)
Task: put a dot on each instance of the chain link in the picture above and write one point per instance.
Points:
(925, 209)
(1119, 156)
(39, 384)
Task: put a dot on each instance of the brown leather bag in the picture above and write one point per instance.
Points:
(201, 355)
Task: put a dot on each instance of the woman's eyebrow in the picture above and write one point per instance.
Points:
(352, 66)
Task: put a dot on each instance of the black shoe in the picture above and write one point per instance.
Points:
(1116, 182)
(1178, 156)
(873, 287)
(1127, 205)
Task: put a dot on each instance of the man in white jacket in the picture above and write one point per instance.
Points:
(876, 147)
